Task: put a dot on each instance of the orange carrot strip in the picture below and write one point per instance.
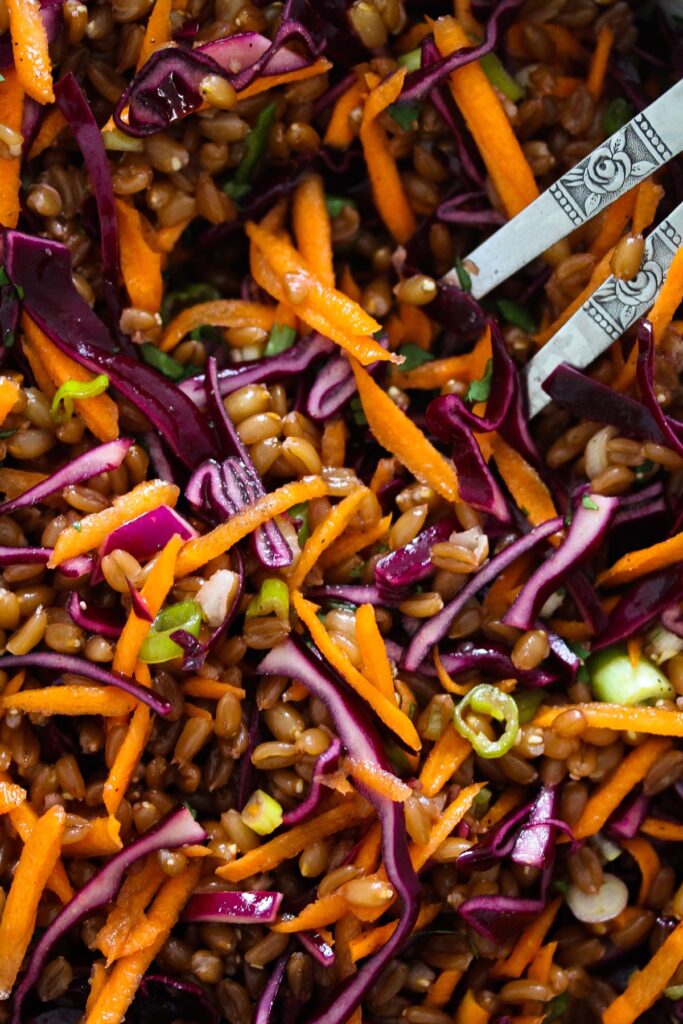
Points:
(327, 531)
(103, 839)
(633, 649)
(165, 238)
(9, 392)
(524, 484)
(376, 664)
(383, 782)
(100, 413)
(14, 684)
(645, 856)
(647, 200)
(417, 325)
(645, 986)
(140, 264)
(210, 689)
(134, 895)
(640, 563)
(153, 593)
(71, 700)
(528, 944)
(291, 843)
(391, 201)
(324, 911)
(613, 223)
(448, 753)
(53, 125)
(609, 794)
(266, 82)
(127, 973)
(486, 119)
(24, 819)
(539, 969)
(194, 711)
(352, 542)
(11, 796)
(157, 31)
(127, 758)
(96, 981)
(510, 799)
(667, 831)
(387, 711)
(367, 854)
(568, 629)
(14, 482)
(669, 298)
(470, 1011)
(312, 228)
(30, 49)
(655, 721)
(441, 990)
(397, 433)
(200, 550)
(504, 588)
(11, 114)
(220, 313)
(95, 528)
(340, 133)
(347, 284)
(370, 941)
(420, 853)
(36, 862)
(599, 61)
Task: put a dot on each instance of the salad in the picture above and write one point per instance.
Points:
(332, 688)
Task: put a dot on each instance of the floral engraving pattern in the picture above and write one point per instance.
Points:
(613, 168)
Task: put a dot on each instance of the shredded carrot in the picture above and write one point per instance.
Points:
(340, 133)
(30, 49)
(96, 981)
(14, 482)
(449, 685)
(354, 541)
(153, 593)
(127, 758)
(635, 564)
(295, 691)
(49, 131)
(367, 854)
(165, 239)
(669, 298)
(14, 684)
(194, 711)
(322, 912)
(613, 223)
(510, 799)
(312, 228)
(645, 856)
(124, 979)
(100, 413)
(397, 433)
(36, 863)
(200, 550)
(470, 1011)
(609, 794)
(646, 985)
(9, 392)
(333, 443)
(210, 689)
(24, 819)
(387, 711)
(373, 652)
(539, 969)
(11, 796)
(266, 82)
(380, 781)
(157, 31)
(570, 629)
(134, 896)
(529, 492)
(647, 200)
(667, 831)
(71, 700)
(140, 264)
(420, 853)
(384, 473)
(390, 197)
(477, 100)
(219, 313)
(348, 285)
(289, 844)
(599, 61)
(652, 720)
(327, 531)
(370, 941)
(528, 944)
(448, 753)
(441, 990)
(634, 647)
(11, 114)
(102, 840)
(504, 588)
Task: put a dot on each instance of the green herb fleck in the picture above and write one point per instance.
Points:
(199, 291)
(7, 433)
(76, 527)
(356, 571)
(414, 356)
(256, 143)
(500, 78)
(335, 204)
(517, 315)
(9, 339)
(464, 279)
(20, 292)
(411, 60)
(556, 1007)
(411, 711)
(588, 503)
(358, 411)
(644, 468)
(617, 114)
(166, 364)
(281, 338)
(479, 390)
(405, 115)
(299, 514)
(236, 191)
(4, 279)
(561, 886)
(190, 809)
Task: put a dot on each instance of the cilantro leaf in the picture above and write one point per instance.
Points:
(405, 114)
(464, 279)
(335, 204)
(414, 356)
(517, 315)
(479, 390)
(618, 112)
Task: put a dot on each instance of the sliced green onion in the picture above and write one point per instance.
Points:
(616, 680)
(117, 141)
(606, 847)
(481, 803)
(272, 599)
(411, 60)
(255, 146)
(487, 700)
(528, 703)
(674, 992)
(499, 77)
(661, 644)
(261, 813)
(157, 646)
(164, 363)
(281, 338)
(72, 390)
(601, 906)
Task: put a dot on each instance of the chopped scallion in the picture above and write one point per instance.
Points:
(62, 408)
(615, 679)
(485, 699)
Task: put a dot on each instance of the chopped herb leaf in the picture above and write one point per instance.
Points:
(411, 60)
(580, 650)
(378, 335)
(498, 77)
(464, 278)
(358, 412)
(20, 291)
(76, 527)
(617, 114)
(644, 467)
(199, 291)
(7, 433)
(556, 1008)
(414, 356)
(2, 78)
(9, 339)
(356, 571)
(561, 886)
(236, 191)
(281, 338)
(166, 364)
(411, 711)
(517, 315)
(588, 503)
(405, 115)
(335, 204)
(4, 279)
(257, 139)
(479, 390)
